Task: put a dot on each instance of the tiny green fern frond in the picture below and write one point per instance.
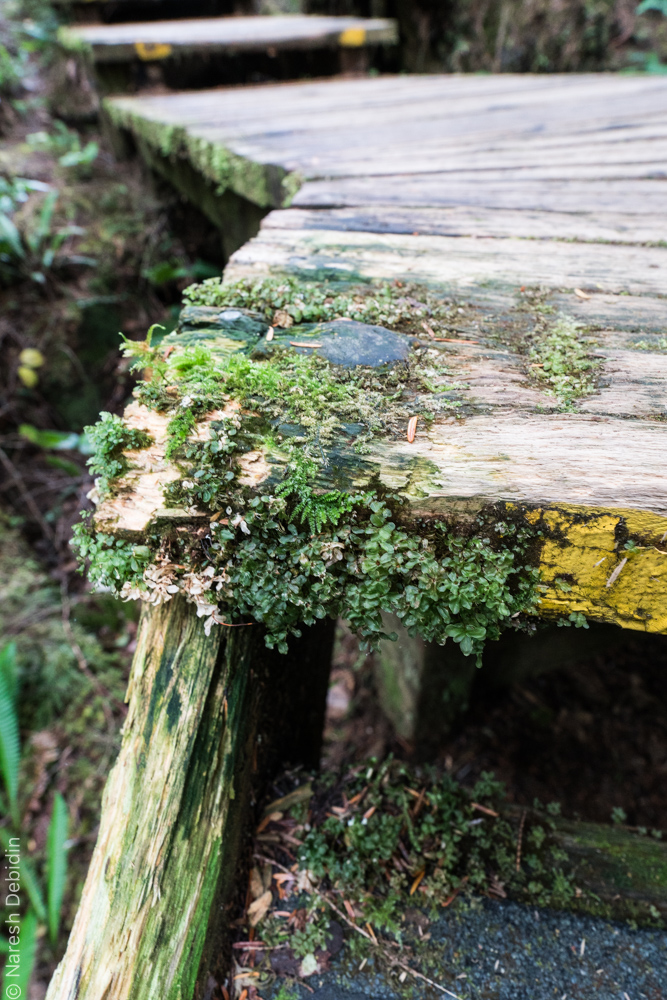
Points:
(56, 864)
(27, 954)
(321, 509)
(10, 747)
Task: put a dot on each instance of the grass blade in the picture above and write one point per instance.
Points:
(56, 864)
(10, 747)
(26, 959)
(29, 879)
(9, 668)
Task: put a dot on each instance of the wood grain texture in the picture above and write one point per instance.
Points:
(455, 263)
(158, 855)
(464, 220)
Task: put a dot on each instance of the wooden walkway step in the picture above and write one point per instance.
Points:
(486, 188)
(156, 40)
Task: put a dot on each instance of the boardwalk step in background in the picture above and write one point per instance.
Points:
(224, 49)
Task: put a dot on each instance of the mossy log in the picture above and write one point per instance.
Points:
(622, 873)
(207, 715)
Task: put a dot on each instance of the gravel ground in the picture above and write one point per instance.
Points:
(504, 951)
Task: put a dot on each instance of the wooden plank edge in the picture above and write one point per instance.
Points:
(266, 185)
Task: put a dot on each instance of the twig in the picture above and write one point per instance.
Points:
(520, 841)
(390, 958)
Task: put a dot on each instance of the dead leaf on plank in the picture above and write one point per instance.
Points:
(282, 319)
(259, 908)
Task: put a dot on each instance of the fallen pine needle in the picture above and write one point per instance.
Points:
(390, 958)
(617, 572)
(412, 429)
(485, 809)
(301, 343)
(415, 884)
(520, 841)
(454, 340)
(360, 930)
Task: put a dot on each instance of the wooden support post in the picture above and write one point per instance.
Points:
(423, 687)
(178, 799)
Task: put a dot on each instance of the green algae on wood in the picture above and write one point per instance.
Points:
(265, 185)
(202, 728)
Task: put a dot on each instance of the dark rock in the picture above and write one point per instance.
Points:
(348, 343)
(285, 963)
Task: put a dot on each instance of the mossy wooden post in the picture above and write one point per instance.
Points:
(423, 688)
(177, 801)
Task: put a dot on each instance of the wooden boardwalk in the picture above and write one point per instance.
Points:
(487, 188)
(154, 40)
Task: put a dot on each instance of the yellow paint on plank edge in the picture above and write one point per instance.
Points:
(582, 566)
(148, 51)
(352, 38)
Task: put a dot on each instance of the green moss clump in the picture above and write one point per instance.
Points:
(112, 562)
(561, 358)
(109, 438)
(407, 306)
(386, 838)
(261, 564)
(659, 344)
(297, 553)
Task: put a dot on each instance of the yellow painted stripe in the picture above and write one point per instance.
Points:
(148, 51)
(582, 568)
(352, 38)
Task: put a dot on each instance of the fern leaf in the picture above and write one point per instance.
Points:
(10, 747)
(28, 877)
(27, 953)
(9, 668)
(56, 864)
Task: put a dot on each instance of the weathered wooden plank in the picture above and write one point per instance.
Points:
(464, 220)
(200, 730)
(154, 873)
(149, 40)
(638, 196)
(455, 263)
(452, 107)
(456, 228)
(411, 125)
(524, 458)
